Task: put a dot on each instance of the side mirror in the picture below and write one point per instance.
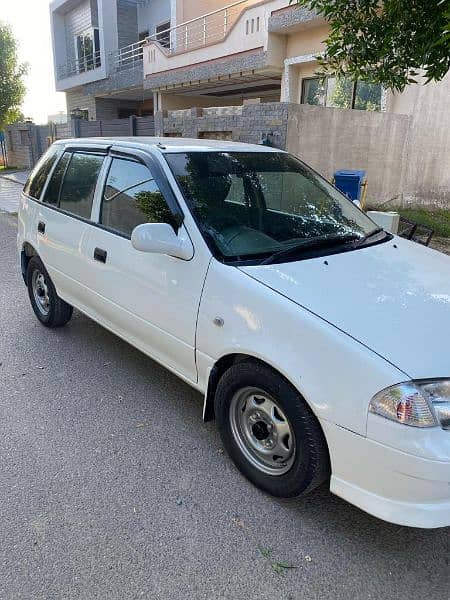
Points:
(160, 238)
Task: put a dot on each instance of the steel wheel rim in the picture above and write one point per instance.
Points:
(40, 292)
(262, 431)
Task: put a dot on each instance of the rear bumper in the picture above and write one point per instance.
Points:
(387, 483)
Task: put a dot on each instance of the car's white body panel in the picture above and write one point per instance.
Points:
(302, 346)
(393, 297)
(339, 328)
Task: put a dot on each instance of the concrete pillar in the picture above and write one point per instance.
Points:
(159, 122)
(290, 84)
(75, 124)
(132, 125)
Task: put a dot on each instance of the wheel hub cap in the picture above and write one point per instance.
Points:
(40, 292)
(262, 431)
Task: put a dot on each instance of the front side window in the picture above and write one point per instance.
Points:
(78, 187)
(255, 204)
(132, 197)
(38, 177)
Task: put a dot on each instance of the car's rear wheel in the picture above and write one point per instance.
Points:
(49, 308)
(269, 431)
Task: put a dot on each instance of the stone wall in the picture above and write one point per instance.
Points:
(250, 123)
(18, 146)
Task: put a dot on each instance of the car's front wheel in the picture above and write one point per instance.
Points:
(269, 431)
(50, 309)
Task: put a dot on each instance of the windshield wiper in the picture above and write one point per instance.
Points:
(308, 244)
(360, 241)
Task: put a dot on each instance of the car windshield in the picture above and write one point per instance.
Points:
(263, 204)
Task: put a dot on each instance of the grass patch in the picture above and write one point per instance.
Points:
(4, 169)
(437, 219)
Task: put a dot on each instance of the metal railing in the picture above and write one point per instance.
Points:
(210, 28)
(76, 66)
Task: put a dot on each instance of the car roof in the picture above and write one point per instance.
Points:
(169, 144)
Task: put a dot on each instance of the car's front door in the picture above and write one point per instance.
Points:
(151, 300)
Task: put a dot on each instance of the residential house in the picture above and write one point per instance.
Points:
(116, 58)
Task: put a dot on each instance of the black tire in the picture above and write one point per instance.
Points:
(310, 464)
(56, 313)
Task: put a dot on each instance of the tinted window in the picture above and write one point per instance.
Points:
(132, 197)
(38, 177)
(257, 203)
(54, 185)
(77, 192)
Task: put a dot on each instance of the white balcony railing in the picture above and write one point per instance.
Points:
(207, 29)
(76, 66)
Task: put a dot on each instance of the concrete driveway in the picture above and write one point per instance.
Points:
(112, 487)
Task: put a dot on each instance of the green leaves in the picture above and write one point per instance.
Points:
(12, 88)
(388, 43)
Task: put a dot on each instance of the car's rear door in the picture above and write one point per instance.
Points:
(64, 218)
(151, 300)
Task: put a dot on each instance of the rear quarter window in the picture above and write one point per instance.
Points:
(36, 181)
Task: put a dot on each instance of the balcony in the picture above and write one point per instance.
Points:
(77, 67)
(208, 29)
(186, 43)
(230, 43)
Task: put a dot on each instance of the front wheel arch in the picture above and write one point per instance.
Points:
(311, 464)
(222, 365)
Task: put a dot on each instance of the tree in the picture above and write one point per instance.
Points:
(390, 42)
(12, 88)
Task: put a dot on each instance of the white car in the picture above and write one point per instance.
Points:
(321, 343)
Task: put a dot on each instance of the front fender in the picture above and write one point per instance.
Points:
(336, 374)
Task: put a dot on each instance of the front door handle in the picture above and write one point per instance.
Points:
(41, 227)
(100, 255)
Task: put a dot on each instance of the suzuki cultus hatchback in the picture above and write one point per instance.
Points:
(321, 343)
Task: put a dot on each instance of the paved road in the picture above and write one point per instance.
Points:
(10, 188)
(111, 487)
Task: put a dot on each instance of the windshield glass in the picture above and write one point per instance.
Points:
(254, 204)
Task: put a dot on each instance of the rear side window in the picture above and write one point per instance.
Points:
(132, 197)
(78, 187)
(51, 195)
(38, 177)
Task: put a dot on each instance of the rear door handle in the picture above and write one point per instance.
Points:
(41, 227)
(100, 255)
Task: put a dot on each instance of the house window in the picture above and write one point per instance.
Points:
(87, 47)
(341, 93)
(163, 34)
